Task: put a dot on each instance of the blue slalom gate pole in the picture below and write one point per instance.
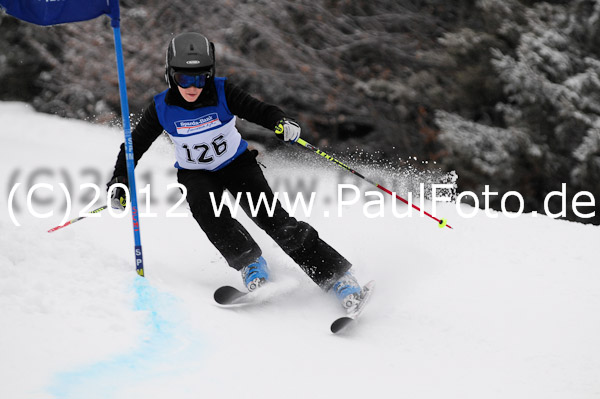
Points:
(54, 12)
(139, 261)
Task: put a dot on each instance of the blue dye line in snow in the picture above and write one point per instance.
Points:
(159, 354)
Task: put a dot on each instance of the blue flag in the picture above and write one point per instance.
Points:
(53, 12)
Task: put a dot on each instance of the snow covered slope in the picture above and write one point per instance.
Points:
(495, 308)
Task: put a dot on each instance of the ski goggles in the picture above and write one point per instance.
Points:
(186, 80)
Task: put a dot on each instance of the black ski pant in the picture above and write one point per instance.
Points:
(298, 239)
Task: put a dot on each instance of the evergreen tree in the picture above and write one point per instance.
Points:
(546, 130)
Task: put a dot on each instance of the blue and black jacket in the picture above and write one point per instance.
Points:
(237, 101)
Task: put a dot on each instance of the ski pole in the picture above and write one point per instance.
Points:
(441, 222)
(97, 210)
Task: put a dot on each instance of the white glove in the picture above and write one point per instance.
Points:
(289, 129)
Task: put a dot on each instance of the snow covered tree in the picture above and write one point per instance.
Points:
(394, 78)
(307, 56)
(547, 122)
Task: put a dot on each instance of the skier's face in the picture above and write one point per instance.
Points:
(190, 94)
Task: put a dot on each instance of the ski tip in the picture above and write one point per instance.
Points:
(340, 324)
(226, 295)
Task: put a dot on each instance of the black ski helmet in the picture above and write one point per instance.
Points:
(191, 51)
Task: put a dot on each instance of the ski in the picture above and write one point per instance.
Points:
(231, 296)
(227, 295)
(344, 322)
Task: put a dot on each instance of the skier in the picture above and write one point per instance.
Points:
(198, 111)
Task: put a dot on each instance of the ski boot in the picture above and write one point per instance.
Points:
(348, 291)
(255, 274)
